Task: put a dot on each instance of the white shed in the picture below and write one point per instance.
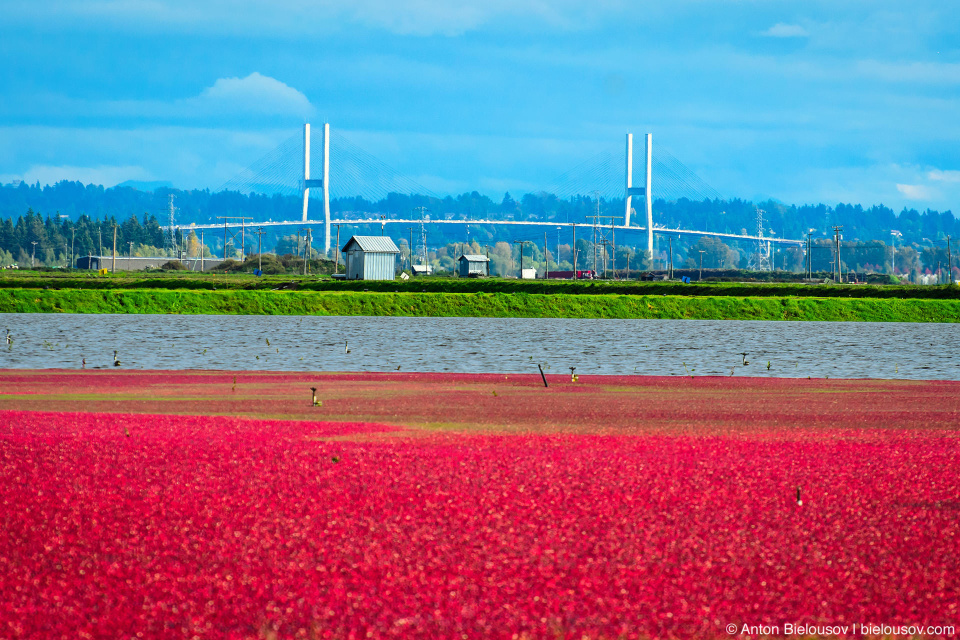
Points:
(474, 265)
(370, 258)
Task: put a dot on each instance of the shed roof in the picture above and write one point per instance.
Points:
(473, 257)
(373, 244)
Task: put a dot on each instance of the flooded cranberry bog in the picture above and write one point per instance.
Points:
(227, 505)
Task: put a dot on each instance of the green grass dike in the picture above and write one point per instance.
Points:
(491, 304)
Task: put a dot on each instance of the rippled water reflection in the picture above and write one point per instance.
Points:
(312, 343)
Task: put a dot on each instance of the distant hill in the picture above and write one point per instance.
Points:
(144, 185)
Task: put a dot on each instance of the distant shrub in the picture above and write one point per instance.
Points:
(173, 265)
(227, 265)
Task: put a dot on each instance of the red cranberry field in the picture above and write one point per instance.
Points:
(227, 505)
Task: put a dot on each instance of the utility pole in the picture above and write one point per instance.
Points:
(670, 258)
(307, 251)
(382, 218)
(574, 250)
(613, 240)
(114, 267)
(949, 263)
(130, 257)
(700, 277)
(99, 243)
(410, 250)
(73, 236)
(33, 255)
(259, 233)
(557, 258)
(839, 269)
(596, 221)
(546, 260)
(594, 248)
(201, 250)
(336, 268)
(520, 242)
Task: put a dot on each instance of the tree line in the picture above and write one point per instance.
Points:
(33, 239)
(201, 206)
(69, 219)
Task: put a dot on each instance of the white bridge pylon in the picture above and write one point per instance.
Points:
(644, 191)
(323, 183)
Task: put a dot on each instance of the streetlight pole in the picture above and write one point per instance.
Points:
(33, 256)
(893, 245)
(382, 218)
(700, 276)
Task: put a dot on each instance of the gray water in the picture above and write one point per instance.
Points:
(480, 345)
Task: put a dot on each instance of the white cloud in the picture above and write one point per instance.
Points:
(782, 30)
(944, 176)
(255, 92)
(255, 95)
(915, 191)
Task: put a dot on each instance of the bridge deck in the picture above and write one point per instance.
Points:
(531, 223)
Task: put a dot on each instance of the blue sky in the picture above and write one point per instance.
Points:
(802, 101)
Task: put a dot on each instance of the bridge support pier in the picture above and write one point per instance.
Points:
(648, 196)
(323, 183)
(644, 191)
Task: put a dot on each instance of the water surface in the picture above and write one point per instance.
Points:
(476, 345)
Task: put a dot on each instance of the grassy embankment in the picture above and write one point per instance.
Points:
(72, 292)
(600, 302)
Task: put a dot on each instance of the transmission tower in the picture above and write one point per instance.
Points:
(423, 236)
(763, 245)
(171, 224)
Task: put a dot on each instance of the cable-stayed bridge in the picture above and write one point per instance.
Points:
(346, 171)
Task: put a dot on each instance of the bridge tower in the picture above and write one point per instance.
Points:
(323, 183)
(644, 191)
